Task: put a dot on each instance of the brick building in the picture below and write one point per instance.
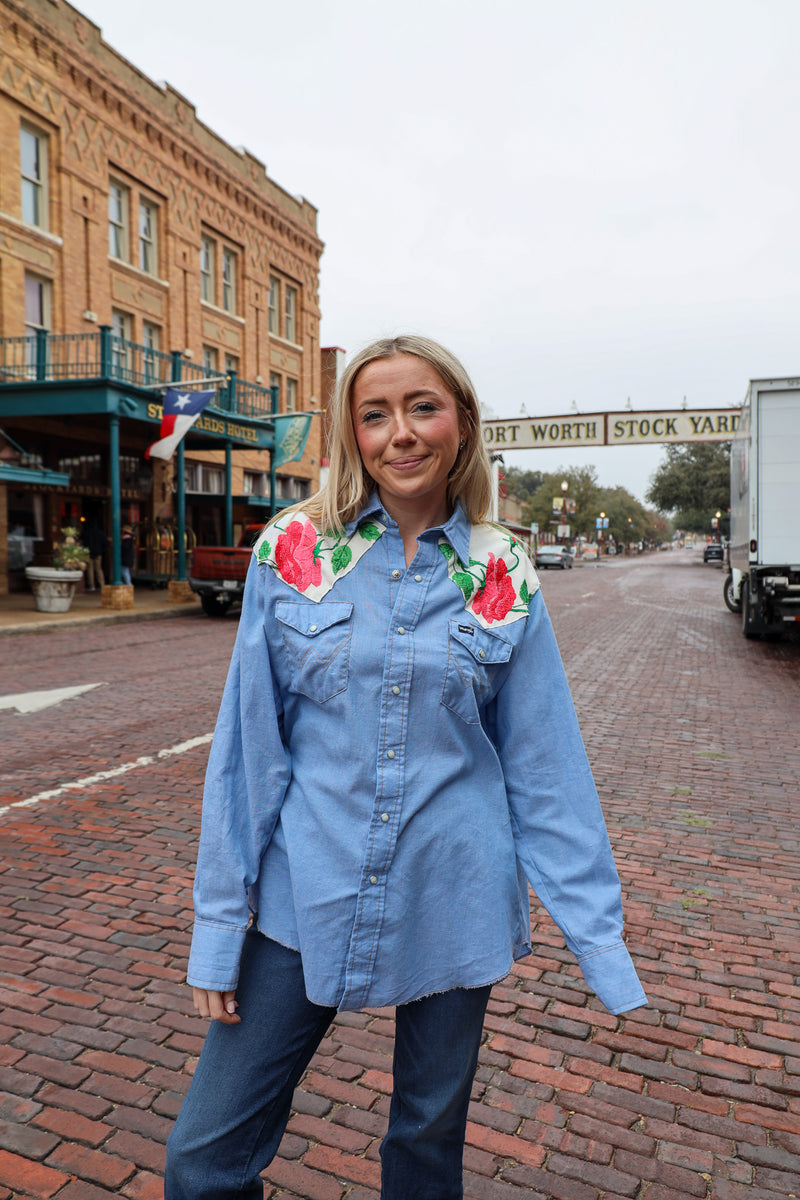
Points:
(136, 246)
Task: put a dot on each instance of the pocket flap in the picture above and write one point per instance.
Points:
(312, 619)
(485, 647)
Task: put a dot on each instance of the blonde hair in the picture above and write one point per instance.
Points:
(349, 485)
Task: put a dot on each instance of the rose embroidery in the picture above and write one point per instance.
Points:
(295, 556)
(496, 598)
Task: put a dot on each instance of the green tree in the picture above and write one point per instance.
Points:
(522, 485)
(628, 519)
(583, 489)
(693, 484)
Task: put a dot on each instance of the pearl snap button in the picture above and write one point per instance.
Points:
(395, 690)
(312, 629)
(390, 753)
(481, 654)
(401, 628)
(373, 878)
(418, 579)
(384, 817)
(395, 574)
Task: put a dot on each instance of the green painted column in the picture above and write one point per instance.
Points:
(116, 500)
(180, 481)
(228, 496)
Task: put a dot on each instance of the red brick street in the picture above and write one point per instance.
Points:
(692, 732)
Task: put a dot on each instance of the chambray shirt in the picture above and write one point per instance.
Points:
(387, 776)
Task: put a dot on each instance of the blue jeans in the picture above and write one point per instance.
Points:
(237, 1108)
(126, 575)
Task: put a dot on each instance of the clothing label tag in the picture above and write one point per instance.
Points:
(466, 629)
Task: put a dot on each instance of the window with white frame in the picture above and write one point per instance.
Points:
(228, 280)
(37, 303)
(290, 313)
(118, 220)
(210, 360)
(213, 480)
(122, 331)
(276, 381)
(207, 256)
(148, 237)
(254, 483)
(274, 304)
(33, 168)
(291, 395)
(231, 363)
(151, 340)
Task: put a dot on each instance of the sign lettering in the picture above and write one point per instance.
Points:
(614, 429)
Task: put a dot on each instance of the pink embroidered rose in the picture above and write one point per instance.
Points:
(294, 556)
(497, 595)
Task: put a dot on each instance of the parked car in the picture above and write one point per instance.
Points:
(714, 552)
(554, 556)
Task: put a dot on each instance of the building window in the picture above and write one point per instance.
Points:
(274, 304)
(254, 483)
(207, 248)
(210, 359)
(33, 164)
(151, 340)
(118, 220)
(231, 364)
(148, 244)
(213, 480)
(276, 381)
(229, 281)
(122, 333)
(290, 314)
(291, 395)
(37, 304)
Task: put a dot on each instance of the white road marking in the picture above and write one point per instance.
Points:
(29, 702)
(101, 776)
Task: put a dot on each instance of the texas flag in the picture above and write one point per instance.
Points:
(181, 410)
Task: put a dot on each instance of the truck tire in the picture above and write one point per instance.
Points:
(752, 625)
(733, 605)
(212, 606)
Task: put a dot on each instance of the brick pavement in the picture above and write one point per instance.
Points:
(693, 735)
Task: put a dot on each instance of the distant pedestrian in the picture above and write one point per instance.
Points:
(127, 551)
(395, 758)
(95, 542)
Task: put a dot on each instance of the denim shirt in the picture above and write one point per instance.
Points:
(396, 757)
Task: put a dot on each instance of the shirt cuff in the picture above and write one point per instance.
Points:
(214, 956)
(611, 975)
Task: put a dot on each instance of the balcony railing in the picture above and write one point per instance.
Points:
(46, 357)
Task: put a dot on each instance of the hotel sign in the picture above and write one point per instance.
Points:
(613, 429)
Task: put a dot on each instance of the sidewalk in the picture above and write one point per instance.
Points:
(18, 611)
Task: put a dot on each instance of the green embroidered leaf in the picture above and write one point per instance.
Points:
(524, 594)
(474, 562)
(465, 582)
(446, 550)
(264, 552)
(369, 531)
(341, 558)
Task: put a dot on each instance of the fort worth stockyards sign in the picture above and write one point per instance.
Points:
(613, 429)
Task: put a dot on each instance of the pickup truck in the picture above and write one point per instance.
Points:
(217, 573)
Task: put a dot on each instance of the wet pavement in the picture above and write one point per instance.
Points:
(694, 736)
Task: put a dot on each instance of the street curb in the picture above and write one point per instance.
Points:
(106, 619)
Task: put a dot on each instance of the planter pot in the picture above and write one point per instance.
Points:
(52, 587)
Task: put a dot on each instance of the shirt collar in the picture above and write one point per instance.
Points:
(456, 529)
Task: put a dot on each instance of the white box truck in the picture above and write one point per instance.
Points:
(764, 579)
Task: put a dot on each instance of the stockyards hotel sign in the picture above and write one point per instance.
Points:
(613, 429)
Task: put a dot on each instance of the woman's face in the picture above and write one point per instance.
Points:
(408, 430)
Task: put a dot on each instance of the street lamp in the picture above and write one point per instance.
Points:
(564, 490)
(600, 546)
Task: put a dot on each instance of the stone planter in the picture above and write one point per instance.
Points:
(52, 587)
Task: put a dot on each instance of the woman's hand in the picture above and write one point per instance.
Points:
(219, 1006)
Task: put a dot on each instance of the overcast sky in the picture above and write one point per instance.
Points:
(587, 201)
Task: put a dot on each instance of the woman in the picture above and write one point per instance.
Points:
(396, 757)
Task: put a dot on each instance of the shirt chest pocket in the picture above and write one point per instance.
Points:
(475, 658)
(317, 642)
